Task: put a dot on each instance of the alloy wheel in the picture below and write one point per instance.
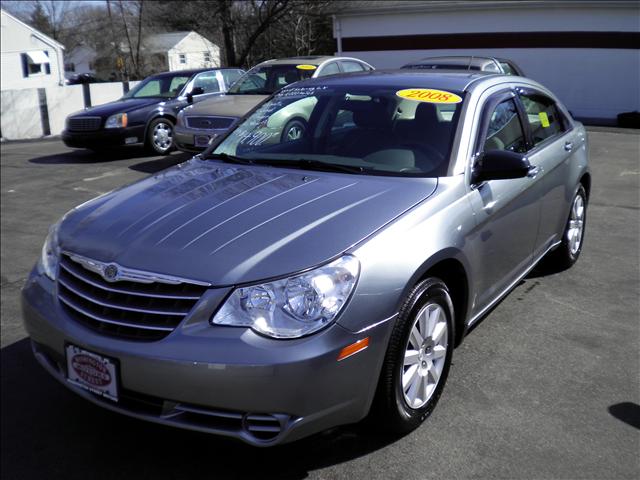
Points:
(162, 136)
(576, 225)
(424, 356)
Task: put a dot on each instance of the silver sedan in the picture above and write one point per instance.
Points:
(271, 287)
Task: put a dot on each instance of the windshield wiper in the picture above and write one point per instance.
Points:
(230, 158)
(308, 164)
(252, 92)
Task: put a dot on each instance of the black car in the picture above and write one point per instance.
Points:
(147, 113)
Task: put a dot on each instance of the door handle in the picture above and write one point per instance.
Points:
(533, 172)
(568, 146)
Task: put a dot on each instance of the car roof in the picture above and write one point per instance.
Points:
(310, 59)
(470, 60)
(458, 80)
(191, 71)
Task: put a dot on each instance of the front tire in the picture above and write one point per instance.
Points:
(160, 136)
(418, 358)
(294, 130)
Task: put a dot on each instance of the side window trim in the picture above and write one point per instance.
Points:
(223, 85)
(522, 113)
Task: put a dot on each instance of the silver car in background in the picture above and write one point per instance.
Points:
(467, 62)
(269, 289)
(199, 124)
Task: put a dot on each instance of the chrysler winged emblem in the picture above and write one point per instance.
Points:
(110, 272)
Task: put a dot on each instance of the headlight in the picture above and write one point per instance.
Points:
(50, 256)
(294, 306)
(119, 120)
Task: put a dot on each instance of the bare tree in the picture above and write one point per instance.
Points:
(133, 48)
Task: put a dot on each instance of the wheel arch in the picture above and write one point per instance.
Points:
(449, 266)
(585, 181)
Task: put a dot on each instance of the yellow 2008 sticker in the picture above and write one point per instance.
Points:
(544, 119)
(306, 67)
(429, 95)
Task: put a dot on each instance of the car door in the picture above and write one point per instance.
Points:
(552, 145)
(507, 211)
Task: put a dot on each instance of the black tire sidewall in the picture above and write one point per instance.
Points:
(573, 257)
(150, 143)
(397, 415)
(288, 126)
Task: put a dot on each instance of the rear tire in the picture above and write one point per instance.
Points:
(569, 250)
(418, 358)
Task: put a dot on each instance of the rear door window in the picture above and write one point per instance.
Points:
(349, 67)
(329, 69)
(543, 116)
(508, 69)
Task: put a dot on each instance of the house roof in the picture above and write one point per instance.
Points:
(368, 7)
(37, 33)
(162, 42)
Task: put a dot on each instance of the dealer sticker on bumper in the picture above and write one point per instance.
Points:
(92, 372)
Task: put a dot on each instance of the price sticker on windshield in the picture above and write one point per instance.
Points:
(428, 95)
(306, 67)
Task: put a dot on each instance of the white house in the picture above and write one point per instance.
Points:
(183, 50)
(80, 60)
(28, 58)
(585, 51)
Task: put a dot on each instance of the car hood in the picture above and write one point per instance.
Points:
(226, 224)
(225, 105)
(118, 106)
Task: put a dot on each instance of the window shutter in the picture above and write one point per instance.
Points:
(47, 66)
(25, 64)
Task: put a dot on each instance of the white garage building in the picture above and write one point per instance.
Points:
(586, 52)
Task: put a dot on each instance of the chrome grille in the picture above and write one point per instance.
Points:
(125, 309)
(209, 123)
(84, 124)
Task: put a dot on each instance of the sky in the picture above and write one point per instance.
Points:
(23, 8)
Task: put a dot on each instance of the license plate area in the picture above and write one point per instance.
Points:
(202, 140)
(92, 372)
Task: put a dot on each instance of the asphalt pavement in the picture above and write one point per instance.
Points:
(547, 386)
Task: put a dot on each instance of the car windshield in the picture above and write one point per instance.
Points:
(267, 79)
(167, 86)
(357, 129)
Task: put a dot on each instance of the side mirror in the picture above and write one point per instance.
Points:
(500, 165)
(194, 91)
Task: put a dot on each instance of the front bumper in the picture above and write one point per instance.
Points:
(103, 138)
(224, 380)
